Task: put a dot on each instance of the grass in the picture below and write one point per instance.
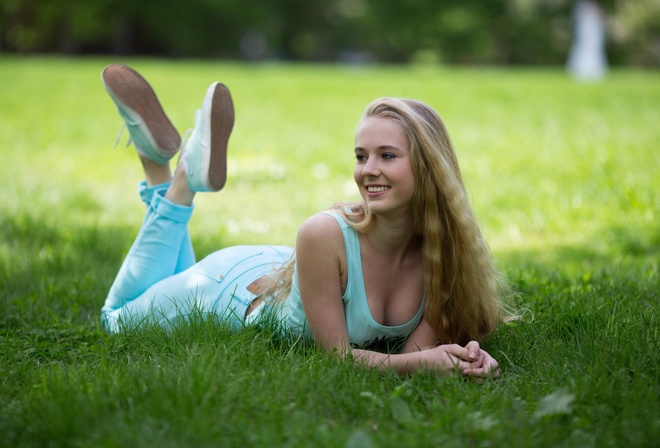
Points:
(562, 175)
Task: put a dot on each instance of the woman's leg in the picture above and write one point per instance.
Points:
(222, 285)
(157, 277)
(162, 247)
(186, 257)
(154, 254)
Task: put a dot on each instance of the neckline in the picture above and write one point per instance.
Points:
(363, 301)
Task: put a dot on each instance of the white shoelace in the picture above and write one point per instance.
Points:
(121, 131)
(184, 142)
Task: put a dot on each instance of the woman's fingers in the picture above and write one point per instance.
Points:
(473, 350)
(487, 368)
(481, 371)
(462, 353)
(454, 359)
(471, 361)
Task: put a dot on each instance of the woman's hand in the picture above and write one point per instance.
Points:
(446, 359)
(483, 366)
(470, 360)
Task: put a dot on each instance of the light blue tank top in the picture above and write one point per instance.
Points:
(363, 330)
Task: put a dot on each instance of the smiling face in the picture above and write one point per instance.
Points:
(382, 170)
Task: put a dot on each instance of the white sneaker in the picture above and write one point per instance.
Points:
(151, 131)
(205, 154)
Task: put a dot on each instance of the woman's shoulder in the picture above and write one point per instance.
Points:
(321, 226)
(320, 243)
(335, 227)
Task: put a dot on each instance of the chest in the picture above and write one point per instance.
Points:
(395, 290)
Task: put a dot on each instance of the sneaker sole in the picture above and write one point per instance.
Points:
(128, 86)
(222, 123)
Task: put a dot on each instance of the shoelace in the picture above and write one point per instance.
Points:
(121, 131)
(184, 142)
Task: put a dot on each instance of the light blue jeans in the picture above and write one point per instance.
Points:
(160, 280)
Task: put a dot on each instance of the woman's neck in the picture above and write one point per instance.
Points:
(393, 237)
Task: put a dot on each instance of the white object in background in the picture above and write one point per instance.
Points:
(587, 60)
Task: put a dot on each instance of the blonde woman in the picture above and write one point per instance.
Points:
(406, 265)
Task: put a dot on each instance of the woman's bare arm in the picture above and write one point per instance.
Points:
(319, 252)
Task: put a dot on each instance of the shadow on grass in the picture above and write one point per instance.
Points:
(54, 273)
(55, 270)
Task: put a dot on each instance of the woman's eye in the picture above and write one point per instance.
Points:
(388, 155)
(360, 157)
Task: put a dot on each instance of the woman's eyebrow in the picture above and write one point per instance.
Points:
(380, 148)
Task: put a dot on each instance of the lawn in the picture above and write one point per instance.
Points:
(564, 180)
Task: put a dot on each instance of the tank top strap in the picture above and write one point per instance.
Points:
(352, 244)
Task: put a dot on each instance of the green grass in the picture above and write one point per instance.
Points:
(564, 179)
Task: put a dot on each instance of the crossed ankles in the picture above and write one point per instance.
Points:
(204, 155)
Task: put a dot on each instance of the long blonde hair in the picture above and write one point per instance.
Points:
(462, 285)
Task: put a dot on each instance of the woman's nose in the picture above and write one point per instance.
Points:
(371, 168)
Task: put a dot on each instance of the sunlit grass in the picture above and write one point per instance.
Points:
(562, 175)
(547, 161)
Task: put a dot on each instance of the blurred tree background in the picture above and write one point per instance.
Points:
(494, 32)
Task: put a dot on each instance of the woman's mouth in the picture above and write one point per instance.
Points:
(377, 189)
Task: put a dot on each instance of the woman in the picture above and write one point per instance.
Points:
(407, 264)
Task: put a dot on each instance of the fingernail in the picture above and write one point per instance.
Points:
(473, 355)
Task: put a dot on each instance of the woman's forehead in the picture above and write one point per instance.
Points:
(379, 131)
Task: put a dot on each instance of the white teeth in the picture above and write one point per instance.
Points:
(377, 189)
